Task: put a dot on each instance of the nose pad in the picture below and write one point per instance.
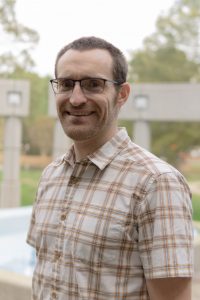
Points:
(77, 97)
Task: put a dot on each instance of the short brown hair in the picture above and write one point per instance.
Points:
(120, 67)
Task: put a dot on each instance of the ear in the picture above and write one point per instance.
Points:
(123, 93)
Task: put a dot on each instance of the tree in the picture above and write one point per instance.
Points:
(170, 140)
(40, 135)
(12, 32)
(171, 54)
(179, 28)
(165, 64)
(16, 63)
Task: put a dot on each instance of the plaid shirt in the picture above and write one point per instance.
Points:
(102, 225)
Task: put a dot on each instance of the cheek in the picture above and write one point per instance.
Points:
(112, 104)
(105, 108)
(59, 101)
(108, 110)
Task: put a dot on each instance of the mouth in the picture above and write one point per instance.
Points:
(79, 113)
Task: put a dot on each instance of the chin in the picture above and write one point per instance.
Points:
(80, 135)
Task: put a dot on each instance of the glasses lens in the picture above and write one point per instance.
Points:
(93, 85)
(62, 85)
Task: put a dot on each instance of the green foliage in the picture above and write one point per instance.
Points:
(29, 183)
(128, 125)
(179, 28)
(162, 65)
(15, 34)
(40, 135)
(17, 42)
(171, 139)
(171, 54)
(1, 133)
(196, 207)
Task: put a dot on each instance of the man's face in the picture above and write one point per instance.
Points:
(87, 117)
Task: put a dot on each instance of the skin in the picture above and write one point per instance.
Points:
(89, 121)
(92, 121)
(170, 288)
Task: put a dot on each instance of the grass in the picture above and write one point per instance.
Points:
(191, 170)
(29, 183)
(31, 169)
(192, 176)
(196, 207)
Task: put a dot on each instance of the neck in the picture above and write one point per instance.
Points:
(84, 148)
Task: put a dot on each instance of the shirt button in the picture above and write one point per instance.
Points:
(73, 180)
(57, 255)
(85, 162)
(53, 294)
(63, 216)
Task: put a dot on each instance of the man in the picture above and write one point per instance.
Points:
(111, 220)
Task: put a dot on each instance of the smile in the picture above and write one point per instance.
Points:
(79, 113)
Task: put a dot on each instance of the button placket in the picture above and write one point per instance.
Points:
(79, 169)
(53, 294)
(57, 255)
(63, 216)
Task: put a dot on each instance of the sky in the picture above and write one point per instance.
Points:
(125, 23)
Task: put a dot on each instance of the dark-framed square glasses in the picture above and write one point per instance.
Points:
(88, 85)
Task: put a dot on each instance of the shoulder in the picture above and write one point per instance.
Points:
(145, 161)
(154, 174)
(55, 167)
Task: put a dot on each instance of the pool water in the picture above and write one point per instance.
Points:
(15, 254)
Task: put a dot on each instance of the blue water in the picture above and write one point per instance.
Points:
(15, 254)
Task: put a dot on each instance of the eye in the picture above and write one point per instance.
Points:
(94, 85)
(65, 84)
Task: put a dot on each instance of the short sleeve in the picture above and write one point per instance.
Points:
(31, 235)
(165, 228)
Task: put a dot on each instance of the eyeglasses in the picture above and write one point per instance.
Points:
(88, 85)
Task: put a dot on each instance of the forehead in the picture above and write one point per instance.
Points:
(95, 62)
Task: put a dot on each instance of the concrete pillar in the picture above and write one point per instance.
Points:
(10, 188)
(61, 141)
(142, 134)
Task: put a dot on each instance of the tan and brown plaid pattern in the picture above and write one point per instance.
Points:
(103, 225)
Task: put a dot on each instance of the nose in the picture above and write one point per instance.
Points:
(77, 97)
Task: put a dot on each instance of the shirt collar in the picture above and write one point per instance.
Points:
(106, 153)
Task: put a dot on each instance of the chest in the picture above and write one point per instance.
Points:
(87, 209)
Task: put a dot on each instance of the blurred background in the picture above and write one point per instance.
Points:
(161, 40)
